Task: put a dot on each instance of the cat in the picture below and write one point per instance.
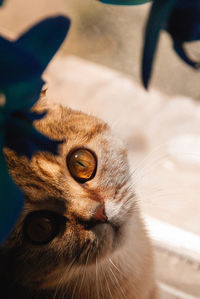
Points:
(80, 234)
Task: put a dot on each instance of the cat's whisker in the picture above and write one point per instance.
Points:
(148, 157)
(110, 260)
(111, 278)
(97, 279)
(138, 174)
(117, 282)
(100, 278)
(107, 284)
(69, 271)
(60, 285)
(153, 194)
(75, 288)
(155, 153)
(85, 269)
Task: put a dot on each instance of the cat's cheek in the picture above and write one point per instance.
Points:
(99, 244)
(104, 234)
(118, 212)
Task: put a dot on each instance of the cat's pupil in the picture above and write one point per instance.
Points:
(40, 230)
(82, 165)
(41, 227)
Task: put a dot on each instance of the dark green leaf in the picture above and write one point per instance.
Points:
(184, 26)
(157, 19)
(11, 200)
(23, 62)
(184, 21)
(29, 115)
(1, 2)
(178, 47)
(24, 139)
(23, 95)
(16, 63)
(44, 39)
(125, 2)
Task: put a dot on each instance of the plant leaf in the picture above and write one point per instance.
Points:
(16, 63)
(184, 21)
(178, 47)
(1, 2)
(159, 13)
(23, 95)
(23, 62)
(44, 39)
(24, 139)
(125, 2)
(11, 200)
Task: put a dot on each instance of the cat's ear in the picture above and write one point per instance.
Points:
(42, 104)
(43, 92)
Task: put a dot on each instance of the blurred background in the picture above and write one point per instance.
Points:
(109, 35)
(97, 70)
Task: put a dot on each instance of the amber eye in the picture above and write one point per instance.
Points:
(41, 227)
(82, 164)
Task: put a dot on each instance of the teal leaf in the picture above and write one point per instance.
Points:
(11, 200)
(24, 139)
(159, 13)
(23, 61)
(179, 49)
(184, 21)
(184, 26)
(125, 2)
(16, 63)
(1, 2)
(44, 39)
(31, 116)
(23, 94)
(22, 64)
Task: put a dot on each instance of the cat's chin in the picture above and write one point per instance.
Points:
(104, 240)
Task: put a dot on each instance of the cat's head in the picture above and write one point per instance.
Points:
(77, 204)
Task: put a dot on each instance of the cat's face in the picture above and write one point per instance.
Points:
(77, 204)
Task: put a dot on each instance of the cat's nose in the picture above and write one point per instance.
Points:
(100, 214)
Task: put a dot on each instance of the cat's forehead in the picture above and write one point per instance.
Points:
(78, 129)
(64, 123)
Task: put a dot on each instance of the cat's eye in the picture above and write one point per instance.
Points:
(82, 164)
(41, 227)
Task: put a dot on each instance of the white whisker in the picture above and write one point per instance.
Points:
(115, 266)
(117, 282)
(97, 279)
(107, 284)
(85, 269)
(60, 282)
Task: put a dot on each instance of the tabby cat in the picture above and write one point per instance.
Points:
(80, 235)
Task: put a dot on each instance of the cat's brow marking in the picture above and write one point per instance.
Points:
(48, 167)
(98, 129)
(94, 194)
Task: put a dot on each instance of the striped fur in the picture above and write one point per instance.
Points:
(109, 260)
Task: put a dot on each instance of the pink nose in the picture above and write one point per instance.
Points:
(100, 214)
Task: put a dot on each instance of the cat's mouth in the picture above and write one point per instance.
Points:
(103, 239)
